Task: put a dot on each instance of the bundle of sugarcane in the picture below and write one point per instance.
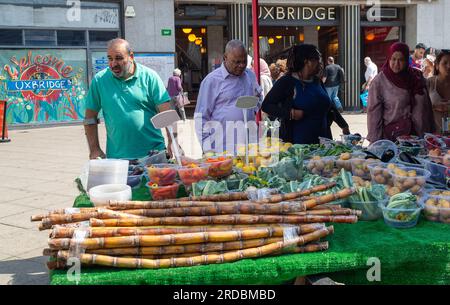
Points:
(225, 246)
(160, 234)
(211, 214)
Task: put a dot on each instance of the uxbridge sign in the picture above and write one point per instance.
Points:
(297, 13)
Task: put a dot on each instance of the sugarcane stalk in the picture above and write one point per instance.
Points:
(57, 219)
(222, 220)
(60, 232)
(240, 208)
(326, 206)
(209, 247)
(192, 248)
(236, 196)
(66, 211)
(329, 212)
(133, 205)
(313, 247)
(294, 195)
(161, 240)
(104, 260)
(169, 239)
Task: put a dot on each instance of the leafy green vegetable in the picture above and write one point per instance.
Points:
(209, 187)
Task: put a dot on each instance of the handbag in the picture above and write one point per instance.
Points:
(182, 100)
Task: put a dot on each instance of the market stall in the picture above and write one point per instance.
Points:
(287, 211)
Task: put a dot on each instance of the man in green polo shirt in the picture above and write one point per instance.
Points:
(129, 94)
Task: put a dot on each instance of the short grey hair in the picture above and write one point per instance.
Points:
(331, 59)
(177, 72)
(233, 45)
(115, 41)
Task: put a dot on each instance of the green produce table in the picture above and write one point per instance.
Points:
(419, 255)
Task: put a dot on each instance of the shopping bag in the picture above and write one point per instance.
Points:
(182, 100)
(364, 97)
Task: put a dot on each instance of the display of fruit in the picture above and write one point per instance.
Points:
(381, 172)
(321, 166)
(162, 174)
(410, 179)
(437, 208)
(220, 166)
(160, 192)
(193, 173)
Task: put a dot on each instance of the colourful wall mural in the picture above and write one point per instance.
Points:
(43, 86)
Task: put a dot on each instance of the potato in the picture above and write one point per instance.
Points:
(360, 172)
(421, 181)
(408, 183)
(444, 204)
(393, 191)
(412, 173)
(391, 166)
(380, 179)
(319, 165)
(415, 189)
(430, 202)
(345, 156)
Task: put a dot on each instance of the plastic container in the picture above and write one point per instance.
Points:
(411, 179)
(436, 207)
(380, 147)
(189, 175)
(323, 167)
(381, 173)
(220, 167)
(185, 161)
(163, 192)
(370, 209)
(135, 174)
(439, 172)
(434, 141)
(101, 194)
(360, 167)
(400, 218)
(107, 171)
(162, 174)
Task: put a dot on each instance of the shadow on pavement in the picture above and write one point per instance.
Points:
(24, 271)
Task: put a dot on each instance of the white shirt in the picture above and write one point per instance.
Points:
(371, 71)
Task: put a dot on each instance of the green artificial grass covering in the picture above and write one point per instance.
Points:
(418, 255)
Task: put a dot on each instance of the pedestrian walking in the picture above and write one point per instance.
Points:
(175, 89)
(333, 77)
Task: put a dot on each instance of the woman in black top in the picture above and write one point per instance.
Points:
(300, 100)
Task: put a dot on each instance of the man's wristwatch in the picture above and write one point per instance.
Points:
(91, 121)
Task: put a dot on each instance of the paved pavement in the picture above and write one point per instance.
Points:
(37, 170)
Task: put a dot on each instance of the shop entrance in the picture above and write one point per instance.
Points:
(275, 42)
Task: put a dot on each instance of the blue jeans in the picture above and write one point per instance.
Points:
(333, 94)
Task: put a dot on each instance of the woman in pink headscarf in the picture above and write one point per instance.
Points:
(398, 101)
(266, 79)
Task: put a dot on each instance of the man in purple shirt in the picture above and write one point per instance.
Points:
(218, 122)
